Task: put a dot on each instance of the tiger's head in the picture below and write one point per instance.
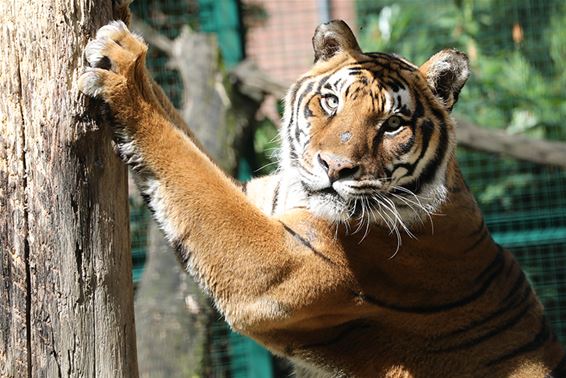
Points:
(370, 134)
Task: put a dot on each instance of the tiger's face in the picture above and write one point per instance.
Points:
(369, 135)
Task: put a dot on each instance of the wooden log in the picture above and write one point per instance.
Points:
(66, 298)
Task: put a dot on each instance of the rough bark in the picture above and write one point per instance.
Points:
(65, 280)
(255, 82)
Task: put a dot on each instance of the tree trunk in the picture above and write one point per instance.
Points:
(65, 278)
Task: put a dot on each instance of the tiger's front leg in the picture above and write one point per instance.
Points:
(264, 273)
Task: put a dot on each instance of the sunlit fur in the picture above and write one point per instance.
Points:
(352, 284)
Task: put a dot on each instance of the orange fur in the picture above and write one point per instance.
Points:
(305, 287)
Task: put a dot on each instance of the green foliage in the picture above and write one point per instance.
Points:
(266, 145)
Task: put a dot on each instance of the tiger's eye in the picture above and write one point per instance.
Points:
(393, 124)
(329, 103)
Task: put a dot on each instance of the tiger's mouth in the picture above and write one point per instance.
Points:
(351, 203)
(330, 191)
(391, 204)
(350, 200)
(350, 191)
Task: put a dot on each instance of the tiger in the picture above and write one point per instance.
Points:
(364, 254)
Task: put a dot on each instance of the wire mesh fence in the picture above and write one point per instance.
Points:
(517, 49)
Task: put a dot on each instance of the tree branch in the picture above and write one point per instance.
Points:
(152, 36)
(517, 146)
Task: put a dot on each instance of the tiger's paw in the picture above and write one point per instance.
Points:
(114, 56)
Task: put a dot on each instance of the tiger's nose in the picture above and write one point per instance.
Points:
(337, 167)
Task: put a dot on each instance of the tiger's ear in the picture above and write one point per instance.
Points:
(446, 73)
(331, 38)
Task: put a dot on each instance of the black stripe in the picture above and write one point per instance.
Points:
(181, 252)
(395, 86)
(347, 92)
(388, 57)
(497, 261)
(306, 143)
(539, 340)
(275, 197)
(324, 79)
(302, 96)
(342, 334)
(508, 304)
(430, 169)
(356, 71)
(307, 113)
(363, 187)
(293, 155)
(356, 93)
(340, 82)
(479, 229)
(406, 111)
(419, 110)
(481, 239)
(426, 133)
(294, 90)
(244, 187)
(306, 243)
(513, 321)
(147, 198)
(305, 188)
(438, 114)
(519, 282)
(406, 147)
(497, 267)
